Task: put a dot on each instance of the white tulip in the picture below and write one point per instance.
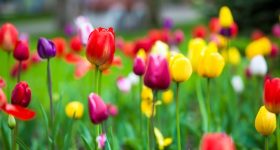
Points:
(133, 78)
(84, 28)
(258, 65)
(237, 84)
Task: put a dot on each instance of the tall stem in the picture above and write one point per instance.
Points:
(13, 132)
(208, 104)
(96, 79)
(178, 118)
(148, 134)
(266, 142)
(19, 71)
(152, 121)
(278, 132)
(8, 74)
(139, 107)
(100, 83)
(51, 100)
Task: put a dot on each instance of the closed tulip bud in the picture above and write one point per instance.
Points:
(157, 75)
(180, 68)
(237, 84)
(265, 122)
(195, 47)
(46, 48)
(101, 47)
(167, 96)
(216, 141)
(74, 110)
(11, 122)
(21, 52)
(21, 94)
(258, 66)
(97, 109)
(8, 37)
(271, 95)
(76, 44)
(60, 46)
(225, 17)
(139, 65)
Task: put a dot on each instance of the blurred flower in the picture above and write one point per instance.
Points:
(274, 50)
(3, 98)
(161, 141)
(69, 29)
(216, 141)
(276, 30)
(257, 34)
(46, 48)
(2, 83)
(8, 37)
(60, 46)
(84, 28)
(265, 122)
(24, 37)
(11, 122)
(199, 32)
(225, 17)
(21, 51)
(112, 109)
(234, 30)
(101, 141)
(258, 65)
(261, 46)
(168, 23)
(232, 56)
(157, 75)
(97, 109)
(21, 94)
(146, 93)
(237, 84)
(15, 68)
(147, 107)
(123, 84)
(271, 95)
(160, 48)
(214, 25)
(167, 96)
(139, 64)
(180, 68)
(76, 44)
(195, 47)
(178, 36)
(133, 78)
(101, 47)
(226, 32)
(74, 110)
(143, 43)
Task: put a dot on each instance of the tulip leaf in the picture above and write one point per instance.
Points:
(4, 134)
(46, 121)
(22, 144)
(201, 106)
(86, 143)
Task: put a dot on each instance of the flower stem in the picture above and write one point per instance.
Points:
(95, 79)
(202, 107)
(152, 121)
(51, 101)
(178, 117)
(99, 82)
(8, 75)
(278, 132)
(208, 104)
(19, 71)
(148, 134)
(13, 133)
(266, 142)
(140, 115)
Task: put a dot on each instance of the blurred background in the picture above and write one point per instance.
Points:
(50, 16)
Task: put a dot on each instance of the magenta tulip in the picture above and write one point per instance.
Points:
(97, 109)
(139, 66)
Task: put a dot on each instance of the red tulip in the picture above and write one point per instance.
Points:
(274, 50)
(234, 30)
(257, 34)
(21, 94)
(179, 36)
(101, 47)
(144, 43)
(8, 37)
(199, 32)
(97, 109)
(76, 44)
(157, 74)
(60, 45)
(214, 25)
(21, 51)
(272, 95)
(3, 98)
(15, 69)
(217, 141)
(2, 82)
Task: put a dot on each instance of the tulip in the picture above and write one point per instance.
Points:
(167, 96)
(276, 30)
(195, 47)
(265, 122)
(3, 99)
(76, 44)
(216, 141)
(271, 95)
(257, 34)
(146, 93)
(168, 23)
(214, 25)
(232, 56)
(8, 37)
(225, 17)
(139, 64)
(46, 48)
(160, 48)
(161, 141)
(237, 84)
(21, 94)
(199, 32)
(123, 84)
(101, 47)
(179, 36)
(2, 83)
(274, 50)
(258, 66)
(84, 28)
(261, 46)
(112, 110)
(144, 43)
(21, 52)
(60, 46)
(157, 75)
(133, 78)
(74, 110)
(11, 122)
(97, 109)
(101, 141)
(180, 68)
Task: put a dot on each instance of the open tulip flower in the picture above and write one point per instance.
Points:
(8, 37)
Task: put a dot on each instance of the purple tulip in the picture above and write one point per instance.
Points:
(168, 23)
(46, 48)
(97, 109)
(226, 32)
(157, 75)
(139, 66)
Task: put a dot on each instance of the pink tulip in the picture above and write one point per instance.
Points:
(97, 109)
(139, 66)
(123, 84)
(101, 141)
(112, 109)
(217, 141)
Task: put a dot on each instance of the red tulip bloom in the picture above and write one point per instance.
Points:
(199, 32)
(97, 109)
(144, 43)
(21, 51)
(101, 47)
(8, 37)
(214, 25)
(15, 69)
(272, 95)
(257, 34)
(157, 74)
(216, 141)
(234, 30)
(274, 50)
(21, 94)
(76, 44)
(60, 45)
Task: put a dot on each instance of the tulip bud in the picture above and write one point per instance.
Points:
(74, 110)
(265, 122)
(234, 57)
(271, 95)
(112, 109)
(160, 48)
(180, 68)
(274, 50)
(21, 94)
(97, 109)
(237, 84)
(258, 66)
(11, 122)
(76, 44)
(157, 75)
(3, 99)
(261, 46)
(21, 52)
(139, 64)
(101, 141)
(84, 28)
(216, 141)
(168, 23)
(46, 48)
(8, 37)
(179, 36)
(276, 30)
(60, 46)
(225, 17)
(199, 32)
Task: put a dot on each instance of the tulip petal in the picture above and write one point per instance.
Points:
(19, 112)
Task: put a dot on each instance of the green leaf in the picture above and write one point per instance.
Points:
(4, 135)
(46, 120)
(86, 143)
(22, 144)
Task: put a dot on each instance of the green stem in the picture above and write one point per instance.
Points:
(51, 101)
(208, 104)
(8, 75)
(202, 107)
(152, 121)
(266, 142)
(95, 79)
(19, 71)
(178, 117)
(148, 134)
(100, 83)
(140, 113)
(278, 132)
(13, 132)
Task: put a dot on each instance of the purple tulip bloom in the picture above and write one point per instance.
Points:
(97, 109)
(226, 32)
(46, 48)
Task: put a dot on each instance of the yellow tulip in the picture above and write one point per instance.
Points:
(225, 17)
(195, 48)
(161, 141)
(265, 122)
(180, 68)
(74, 110)
(147, 106)
(142, 54)
(160, 48)
(261, 46)
(232, 56)
(167, 96)
(146, 93)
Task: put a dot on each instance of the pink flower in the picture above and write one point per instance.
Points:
(216, 141)
(123, 84)
(101, 140)
(97, 109)
(112, 109)
(276, 30)
(2, 82)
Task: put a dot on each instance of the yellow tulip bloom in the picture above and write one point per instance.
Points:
(161, 141)
(141, 54)
(74, 110)
(261, 46)
(232, 56)
(225, 17)
(160, 48)
(265, 122)
(195, 48)
(167, 96)
(180, 68)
